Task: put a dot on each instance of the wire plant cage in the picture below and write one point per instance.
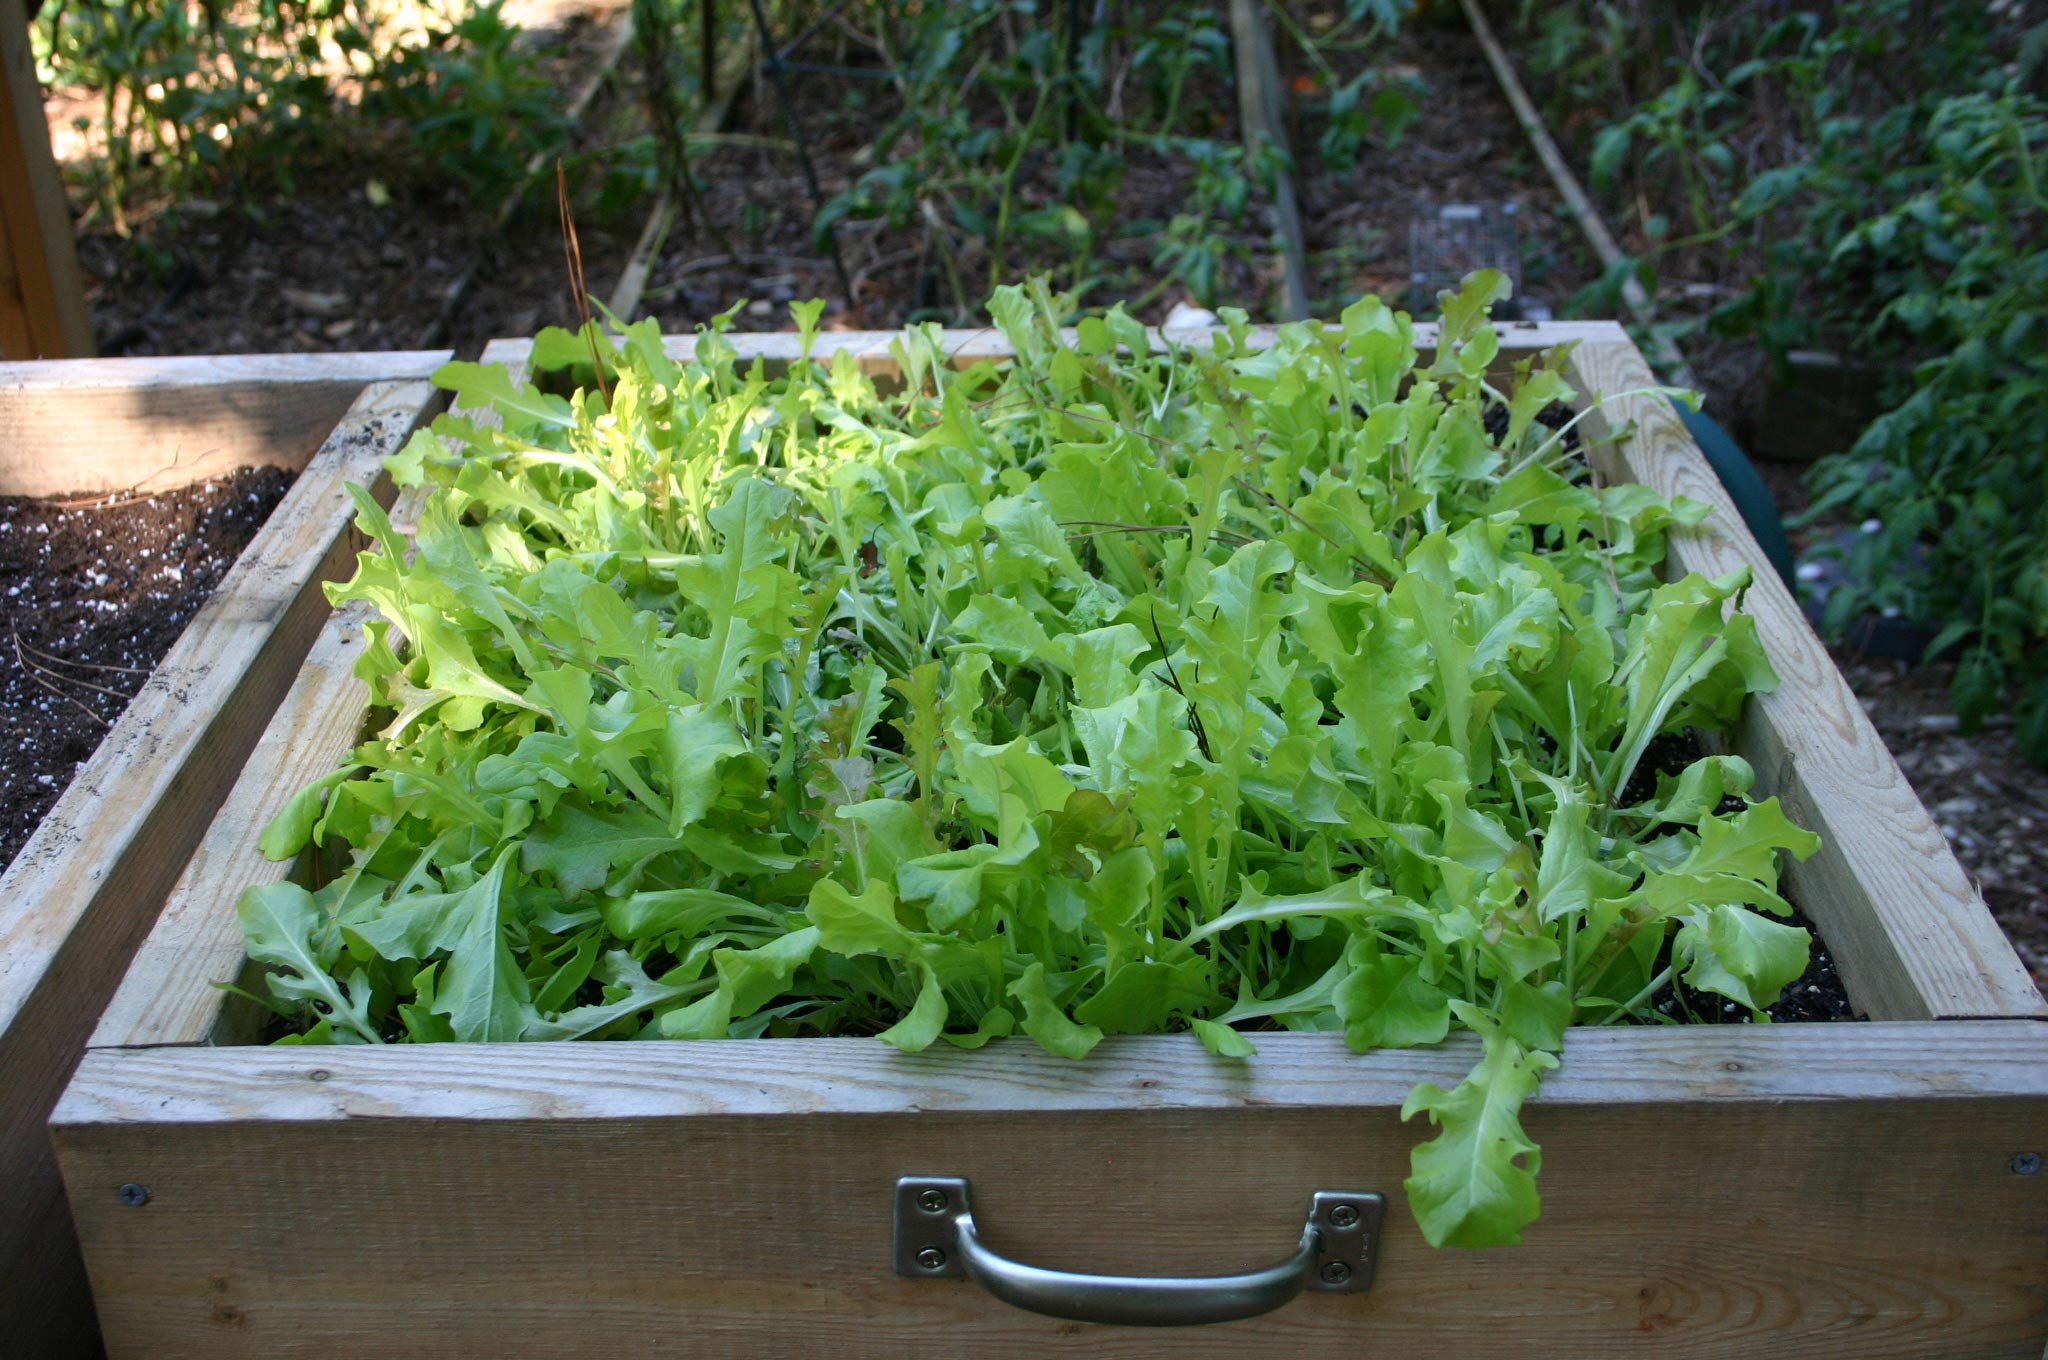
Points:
(1447, 241)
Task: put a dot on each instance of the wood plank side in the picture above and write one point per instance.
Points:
(1685, 1065)
(213, 370)
(169, 995)
(1909, 931)
(82, 894)
(1812, 1191)
(172, 992)
(99, 425)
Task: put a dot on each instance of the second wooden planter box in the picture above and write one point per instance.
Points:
(82, 893)
(1812, 1190)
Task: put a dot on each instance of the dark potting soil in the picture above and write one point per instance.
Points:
(93, 592)
(1817, 994)
(1556, 416)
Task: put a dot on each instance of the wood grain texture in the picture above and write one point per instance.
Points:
(97, 425)
(83, 893)
(1795, 1191)
(1686, 1066)
(1909, 931)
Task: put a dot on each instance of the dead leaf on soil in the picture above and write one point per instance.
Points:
(314, 304)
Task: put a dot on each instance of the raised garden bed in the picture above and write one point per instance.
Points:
(1812, 1190)
(84, 889)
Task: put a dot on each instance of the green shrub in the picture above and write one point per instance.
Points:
(197, 95)
(1867, 180)
(475, 106)
(1956, 473)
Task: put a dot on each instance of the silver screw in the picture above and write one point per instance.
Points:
(133, 1195)
(931, 1258)
(932, 1201)
(2027, 1164)
(1343, 1215)
(1335, 1272)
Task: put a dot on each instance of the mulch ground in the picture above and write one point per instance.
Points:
(93, 592)
(1988, 801)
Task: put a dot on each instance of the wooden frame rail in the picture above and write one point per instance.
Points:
(107, 425)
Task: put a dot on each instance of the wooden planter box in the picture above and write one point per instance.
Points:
(82, 894)
(1813, 1190)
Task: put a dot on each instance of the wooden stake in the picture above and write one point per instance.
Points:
(626, 294)
(1638, 301)
(1259, 113)
(42, 298)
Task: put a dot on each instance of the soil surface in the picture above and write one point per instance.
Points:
(93, 592)
(1464, 147)
(1817, 994)
(322, 267)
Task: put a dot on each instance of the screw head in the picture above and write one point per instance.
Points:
(2027, 1164)
(931, 1258)
(1335, 1272)
(1344, 1215)
(932, 1201)
(133, 1195)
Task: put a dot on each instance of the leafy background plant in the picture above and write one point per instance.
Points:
(1863, 179)
(1306, 688)
(1009, 140)
(196, 98)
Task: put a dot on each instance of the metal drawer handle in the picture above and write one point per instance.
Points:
(936, 1239)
